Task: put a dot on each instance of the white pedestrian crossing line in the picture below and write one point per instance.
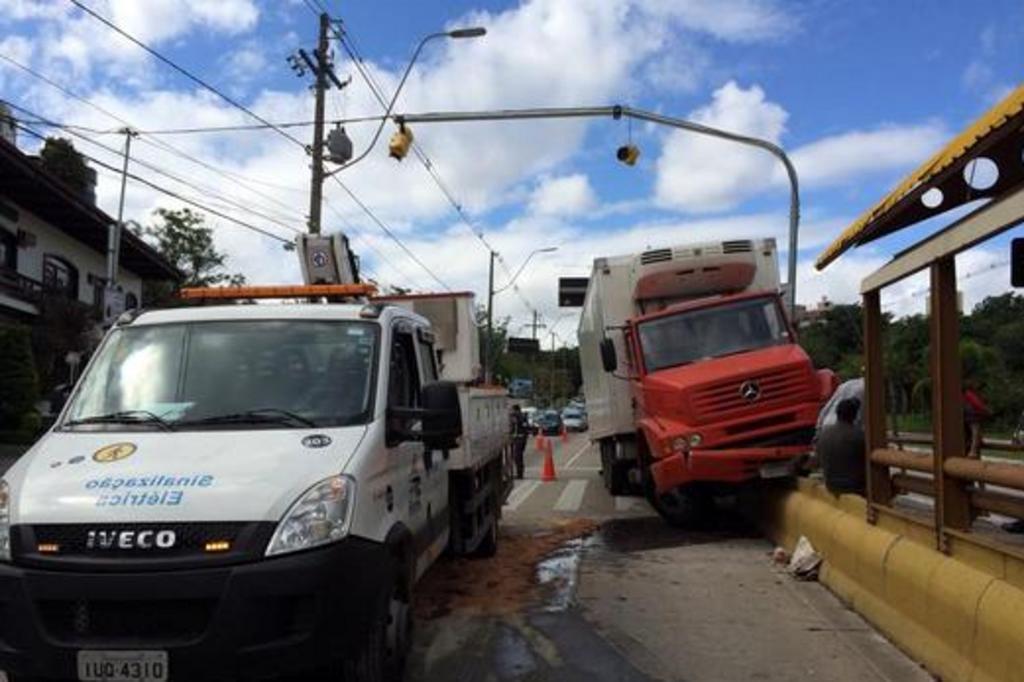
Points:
(571, 498)
(522, 490)
(624, 503)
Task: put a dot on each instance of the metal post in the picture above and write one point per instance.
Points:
(317, 187)
(879, 482)
(620, 111)
(952, 503)
(489, 346)
(114, 233)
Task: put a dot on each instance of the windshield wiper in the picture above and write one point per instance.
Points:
(124, 417)
(268, 415)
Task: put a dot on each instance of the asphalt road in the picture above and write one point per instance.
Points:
(637, 600)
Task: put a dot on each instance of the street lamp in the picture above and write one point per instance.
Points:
(617, 112)
(456, 34)
(490, 300)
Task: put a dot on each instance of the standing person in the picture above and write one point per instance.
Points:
(975, 413)
(840, 450)
(518, 429)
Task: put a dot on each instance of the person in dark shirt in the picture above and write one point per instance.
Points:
(518, 427)
(840, 450)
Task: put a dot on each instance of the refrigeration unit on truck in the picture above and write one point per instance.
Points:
(693, 377)
(243, 491)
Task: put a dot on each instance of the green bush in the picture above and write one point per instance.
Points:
(18, 382)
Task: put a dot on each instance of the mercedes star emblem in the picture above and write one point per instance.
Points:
(750, 390)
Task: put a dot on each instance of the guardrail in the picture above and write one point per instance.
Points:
(967, 478)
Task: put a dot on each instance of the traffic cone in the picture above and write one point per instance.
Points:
(547, 472)
(565, 434)
(538, 442)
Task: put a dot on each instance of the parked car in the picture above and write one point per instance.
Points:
(574, 419)
(531, 419)
(549, 423)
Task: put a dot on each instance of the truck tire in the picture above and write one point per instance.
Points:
(686, 507)
(385, 649)
(613, 472)
(488, 546)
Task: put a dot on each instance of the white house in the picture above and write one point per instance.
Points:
(53, 239)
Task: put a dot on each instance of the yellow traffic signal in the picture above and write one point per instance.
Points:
(400, 142)
(628, 154)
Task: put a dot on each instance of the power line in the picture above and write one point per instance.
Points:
(171, 176)
(185, 72)
(388, 232)
(164, 190)
(234, 178)
(348, 44)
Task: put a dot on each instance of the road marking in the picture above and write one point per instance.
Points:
(577, 455)
(572, 497)
(520, 493)
(624, 503)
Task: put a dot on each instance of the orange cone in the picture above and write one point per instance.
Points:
(547, 472)
(538, 442)
(565, 434)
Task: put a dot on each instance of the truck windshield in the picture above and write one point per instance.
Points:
(237, 374)
(712, 333)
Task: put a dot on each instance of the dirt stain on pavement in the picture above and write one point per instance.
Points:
(507, 583)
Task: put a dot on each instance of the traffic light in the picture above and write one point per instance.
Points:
(400, 142)
(628, 154)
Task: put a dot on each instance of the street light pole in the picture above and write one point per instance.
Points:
(489, 346)
(489, 351)
(618, 112)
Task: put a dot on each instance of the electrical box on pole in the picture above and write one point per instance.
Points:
(326, 259)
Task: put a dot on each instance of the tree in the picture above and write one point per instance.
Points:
(183, 238)
(835, 339)
(60, 158)
(18, 386)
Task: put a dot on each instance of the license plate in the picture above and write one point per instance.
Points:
(777, 469)
(122, 666)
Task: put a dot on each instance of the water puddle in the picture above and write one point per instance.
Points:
(558, 575)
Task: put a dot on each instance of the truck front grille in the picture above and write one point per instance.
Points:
(726, 396)
(83, 621)
(68, 546)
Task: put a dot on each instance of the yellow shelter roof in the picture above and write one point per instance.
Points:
(997, 135)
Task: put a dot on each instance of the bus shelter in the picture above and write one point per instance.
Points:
(980, 172)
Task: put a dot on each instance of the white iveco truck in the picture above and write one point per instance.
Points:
(243, 491)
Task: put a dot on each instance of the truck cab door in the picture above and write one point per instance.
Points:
(406, 454)
(433, 465)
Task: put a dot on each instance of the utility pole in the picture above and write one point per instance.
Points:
(537, 324)
(488, 347)
(317, 188)
(114, 233)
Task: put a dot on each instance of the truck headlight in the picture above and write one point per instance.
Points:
(320, 516)
(5, 521)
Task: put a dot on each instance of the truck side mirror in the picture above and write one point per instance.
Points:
(609, 358)
(442, 416)
(1017, 262)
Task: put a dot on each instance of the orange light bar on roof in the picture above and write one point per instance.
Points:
(291, 291)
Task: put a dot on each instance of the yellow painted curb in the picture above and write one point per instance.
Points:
(961, 616)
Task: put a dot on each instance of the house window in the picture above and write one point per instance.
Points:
(60, 276)
(8, 250)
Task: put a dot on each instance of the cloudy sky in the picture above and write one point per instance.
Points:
(857, 93)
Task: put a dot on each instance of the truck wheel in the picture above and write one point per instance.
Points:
(613, 472)
(684, 507)
(488, 547)
(385, 649)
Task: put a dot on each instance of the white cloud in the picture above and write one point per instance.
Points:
(702, 174)
(682, 70)
(563, 196)
(739, 21)
(837, 159)
(697, 173)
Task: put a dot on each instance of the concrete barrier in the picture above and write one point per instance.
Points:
(961, 615)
